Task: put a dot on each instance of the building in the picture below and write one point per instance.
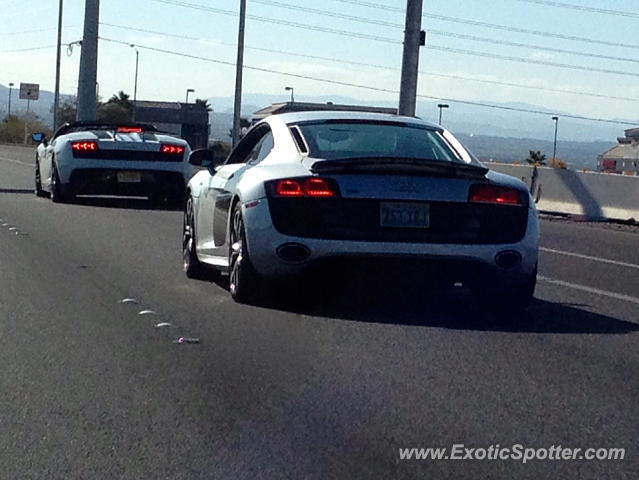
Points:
(286, 107)
(189, 121)
(622, 158)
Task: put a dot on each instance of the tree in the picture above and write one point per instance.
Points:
(67, 110)
(536, 158)
(12, 128)
(204, 102)
(118, 109)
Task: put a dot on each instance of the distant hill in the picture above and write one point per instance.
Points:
(507, 150)
(502, 135)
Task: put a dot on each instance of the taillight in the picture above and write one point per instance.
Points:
(483, 193)
(130, 130)
(169, 149)
(304, 187)
(289, 188)
(84, 146)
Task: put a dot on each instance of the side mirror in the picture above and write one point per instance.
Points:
(207, 158)
(39, 138)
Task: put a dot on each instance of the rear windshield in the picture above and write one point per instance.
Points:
(335, 140)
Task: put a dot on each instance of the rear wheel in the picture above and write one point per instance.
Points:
(38, 181)
(245, 285)
(192, 265)
(59, 192)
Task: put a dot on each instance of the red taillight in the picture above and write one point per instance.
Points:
(289, 188)
(318, 187)
(495, 194)
(306, 187)
(84, 146)
(172, 149)
(130, 130)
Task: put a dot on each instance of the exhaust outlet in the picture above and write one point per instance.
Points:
(508, 259)
(293, 252)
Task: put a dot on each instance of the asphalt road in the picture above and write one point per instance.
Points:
(325, 388)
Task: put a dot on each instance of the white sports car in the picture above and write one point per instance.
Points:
(95, 158)
(302, 188)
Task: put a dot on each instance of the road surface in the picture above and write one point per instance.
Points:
(318, 389)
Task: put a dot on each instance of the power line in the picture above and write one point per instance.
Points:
(494, 26)
(287, 23)
(583, 8)
(28, 49)
(525, 45)
(473, 38)
(375, 66)
(387, 40)
(530, 61)
(366, 87)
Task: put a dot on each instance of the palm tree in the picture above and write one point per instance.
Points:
(536, 158)
(204, 102)
(118, 109)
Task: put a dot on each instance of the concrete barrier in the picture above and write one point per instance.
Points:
(591, 195)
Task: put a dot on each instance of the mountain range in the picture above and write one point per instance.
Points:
(500, 134)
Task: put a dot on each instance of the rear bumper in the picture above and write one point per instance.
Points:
(104, 181)
(464, 260)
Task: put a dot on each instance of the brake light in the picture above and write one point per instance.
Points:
(84, 146)
(306, 187)
(172, 149)
(130, 130)
(483, 193)
(289, 188)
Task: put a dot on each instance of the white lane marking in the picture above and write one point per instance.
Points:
(596, 291)
(11, 160)
(588, 257)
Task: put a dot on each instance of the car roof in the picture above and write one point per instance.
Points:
(324, 115)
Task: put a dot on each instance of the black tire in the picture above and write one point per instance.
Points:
(38, 181)
(59, 192)
(509, 298)
(193, 267)
(245, 285)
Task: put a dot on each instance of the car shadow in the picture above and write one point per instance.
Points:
(17, 190)
(393, 299)
(127, 203)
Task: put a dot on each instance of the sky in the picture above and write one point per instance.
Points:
(360, 41)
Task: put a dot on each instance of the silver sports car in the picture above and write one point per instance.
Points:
(303, 188)
(114, 159)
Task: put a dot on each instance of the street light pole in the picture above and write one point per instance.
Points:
(56, 95)
(188, 90)
(410, 61)
(291, 89)
(239, 65)
(137, 64)
(441, 106)
(10, 89)
(554, 146)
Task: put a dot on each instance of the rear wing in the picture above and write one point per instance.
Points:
(128, 127)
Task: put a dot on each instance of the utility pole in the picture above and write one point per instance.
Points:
(237, 107)
(87, 101)
(413, 39)
(56, 95)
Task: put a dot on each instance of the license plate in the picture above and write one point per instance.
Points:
(404, 215)
(129, 177)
